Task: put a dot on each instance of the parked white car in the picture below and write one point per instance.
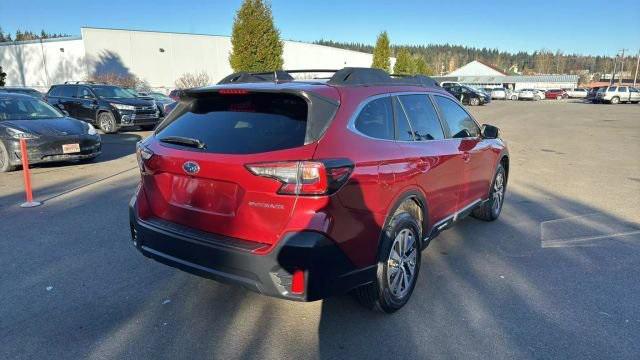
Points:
(500, 93)
(577, 93)
(539, 94)
(530, 94)
(618, 94)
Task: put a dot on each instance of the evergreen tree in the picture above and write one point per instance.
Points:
(404, 63)
(255, 40)
(3, 75)
(420, 66)
(382, 52)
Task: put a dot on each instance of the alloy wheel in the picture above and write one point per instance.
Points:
(401, 264)
(105, 124)
(498, 192)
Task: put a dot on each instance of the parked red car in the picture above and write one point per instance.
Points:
(556, 94)
(302, 190)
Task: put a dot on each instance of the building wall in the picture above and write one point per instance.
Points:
(39, 64)
(158, 58)
(138, 53)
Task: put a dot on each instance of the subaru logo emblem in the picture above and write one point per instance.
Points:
(191, 167)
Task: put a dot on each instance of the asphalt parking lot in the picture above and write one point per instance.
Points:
(555, 277)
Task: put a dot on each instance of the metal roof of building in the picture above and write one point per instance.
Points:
(512, 79)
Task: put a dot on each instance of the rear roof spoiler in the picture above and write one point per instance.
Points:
(349, 76)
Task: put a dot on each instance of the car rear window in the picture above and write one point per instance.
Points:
(240, 123)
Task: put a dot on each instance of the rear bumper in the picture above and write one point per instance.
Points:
(327, 269)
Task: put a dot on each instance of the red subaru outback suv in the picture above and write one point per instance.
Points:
(306, 189)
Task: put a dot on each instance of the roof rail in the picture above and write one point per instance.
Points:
(354, 76)
(268, 76)
(84, 82)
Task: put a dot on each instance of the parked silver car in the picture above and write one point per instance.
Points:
(577, 93)
(618, 94)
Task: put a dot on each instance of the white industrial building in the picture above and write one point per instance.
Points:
(158, 58)
(479, 74)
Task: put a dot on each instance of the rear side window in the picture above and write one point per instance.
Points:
(240, 124)
(376, 119)
(68, 91)
(423, 117)
(622, 89)
(459, 121)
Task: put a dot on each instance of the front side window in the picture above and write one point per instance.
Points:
(459, 121)
(422, 116)
(613, 88)
(633, 90)
(26, 109)
(85, 93)
(404, 132)
(376, 119)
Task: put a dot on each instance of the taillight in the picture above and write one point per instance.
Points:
(233, 92)
(323, 177)
(143, 154)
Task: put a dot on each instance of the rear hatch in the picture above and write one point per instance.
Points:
(196, 172)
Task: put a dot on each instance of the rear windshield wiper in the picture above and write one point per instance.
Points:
(180, 140)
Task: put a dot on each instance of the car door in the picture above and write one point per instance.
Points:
(87, 104)
(623, 92)
(634, 94)
(68, 101)
(434, 163)
(475, 152)
(378, 158)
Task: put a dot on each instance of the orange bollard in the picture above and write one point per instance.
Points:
(24, 156)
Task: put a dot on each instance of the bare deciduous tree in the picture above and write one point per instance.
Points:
(190, 80)
(127, 81)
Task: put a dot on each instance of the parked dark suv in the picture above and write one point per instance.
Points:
(306, 189)
(106, 106)
(468, 95)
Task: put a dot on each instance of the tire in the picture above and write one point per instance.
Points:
(107, 123)
(490, 210)
(514, 97)
(5, 165)
(536, 98)
(394, 265)
(474, 102)
(615, 100)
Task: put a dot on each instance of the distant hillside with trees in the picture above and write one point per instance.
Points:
(446, 58)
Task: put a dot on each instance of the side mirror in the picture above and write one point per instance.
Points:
(490, 132)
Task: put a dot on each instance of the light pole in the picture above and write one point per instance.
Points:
(621, 67)
(635, 77)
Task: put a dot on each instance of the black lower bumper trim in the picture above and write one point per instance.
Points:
(327, 269)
